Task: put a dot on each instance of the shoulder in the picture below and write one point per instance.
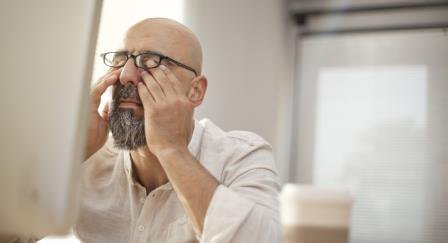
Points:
(235, 151)
(242, 161)
(236, 138)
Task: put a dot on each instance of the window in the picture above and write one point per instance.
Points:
(371, 112)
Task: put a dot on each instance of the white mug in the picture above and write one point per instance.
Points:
(311, 214)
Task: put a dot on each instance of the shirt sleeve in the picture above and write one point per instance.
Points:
(244, 208)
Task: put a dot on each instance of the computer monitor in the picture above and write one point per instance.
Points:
(46, 59)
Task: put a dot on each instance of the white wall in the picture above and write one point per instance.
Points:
(248, 59)
(117, 16)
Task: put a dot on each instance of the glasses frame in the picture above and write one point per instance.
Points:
(161, 58)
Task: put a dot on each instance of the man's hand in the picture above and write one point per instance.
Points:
(99, 125)
(168, 111)
(168, 127)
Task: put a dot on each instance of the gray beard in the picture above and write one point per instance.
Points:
(127, 130)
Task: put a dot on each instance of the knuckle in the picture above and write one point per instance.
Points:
(154, 111)
(145, 76)
(150, 79)
(162, 106)
(178, 102)
(152, 85)
(171, 102)
(141, 87)
(154, 72)
(184, 101)
(143, 94)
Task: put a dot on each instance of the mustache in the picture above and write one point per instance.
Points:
(128, 91)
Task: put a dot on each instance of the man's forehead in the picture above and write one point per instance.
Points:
(166, 37)
(140, 44)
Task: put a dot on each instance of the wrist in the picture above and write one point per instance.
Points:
(171, 152)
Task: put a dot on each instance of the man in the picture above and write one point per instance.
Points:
(163, 176)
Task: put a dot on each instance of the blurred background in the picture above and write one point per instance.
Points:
(351, 94)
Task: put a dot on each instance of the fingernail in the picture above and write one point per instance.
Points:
(162, 67)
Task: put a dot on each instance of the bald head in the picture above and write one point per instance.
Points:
(168, 37)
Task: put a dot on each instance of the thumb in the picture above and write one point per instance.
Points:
(105, 112)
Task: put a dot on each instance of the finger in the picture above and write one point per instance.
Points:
(175, 83)
(153, 87)
(163, 81)
(100, 88)
(106, 76)
(146, 97)
(105, 112)
(152, 71)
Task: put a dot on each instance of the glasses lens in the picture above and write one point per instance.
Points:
(115, 59)
(147, 60)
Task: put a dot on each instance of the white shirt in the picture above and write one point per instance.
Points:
(244, 207)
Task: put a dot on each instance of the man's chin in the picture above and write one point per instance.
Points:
(127, 128)
(124, 141)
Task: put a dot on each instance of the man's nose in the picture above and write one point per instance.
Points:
(130, 73)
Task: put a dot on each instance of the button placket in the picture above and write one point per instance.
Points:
(141, 228)
(146, 216)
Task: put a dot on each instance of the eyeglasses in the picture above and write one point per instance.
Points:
(145, 60)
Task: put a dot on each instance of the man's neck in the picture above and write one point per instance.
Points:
(147, 169)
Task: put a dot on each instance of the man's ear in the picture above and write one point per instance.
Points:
(197, 90)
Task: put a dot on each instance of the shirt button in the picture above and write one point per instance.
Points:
(141, 228)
